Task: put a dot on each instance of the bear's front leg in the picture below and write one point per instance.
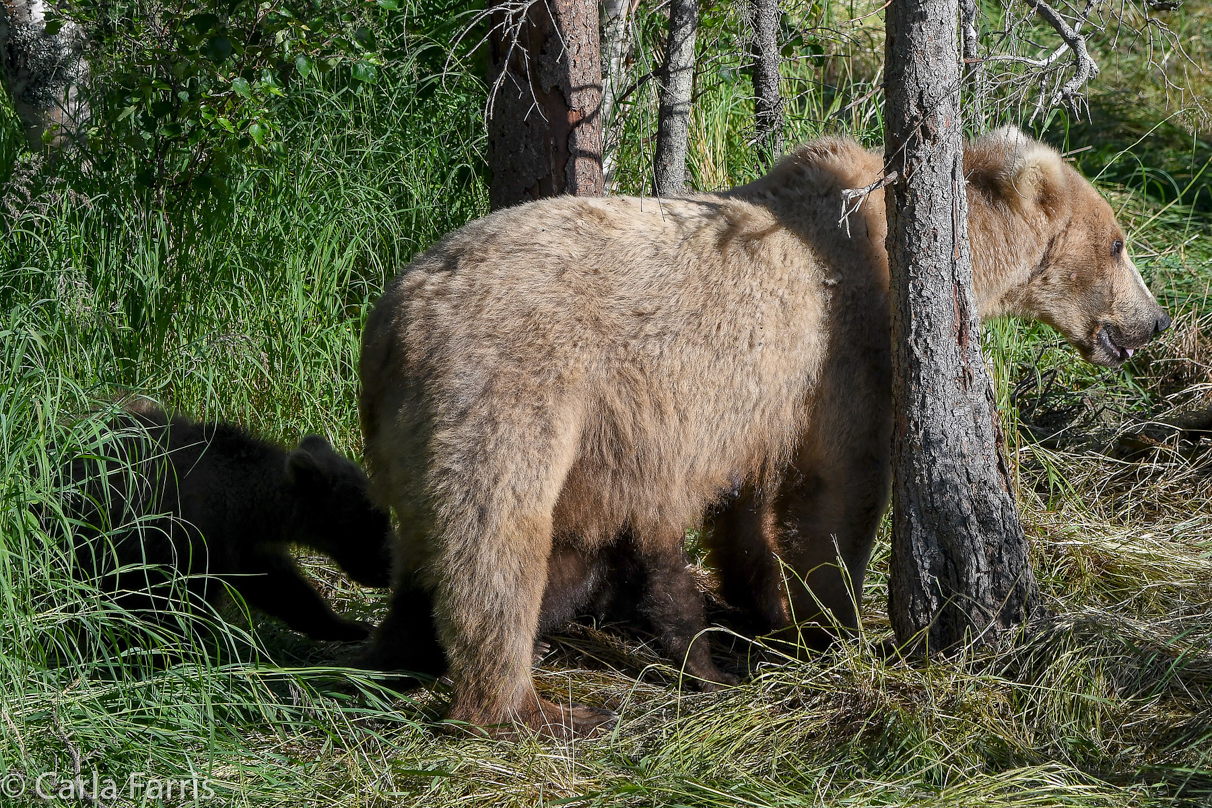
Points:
(829, 511)
(271, 581)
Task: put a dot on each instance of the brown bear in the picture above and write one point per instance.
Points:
(567, 371)
(167, 497)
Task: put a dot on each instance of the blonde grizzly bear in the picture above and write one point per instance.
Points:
(568, 371)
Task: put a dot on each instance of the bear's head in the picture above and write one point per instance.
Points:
(334, 514)
(1061, 257)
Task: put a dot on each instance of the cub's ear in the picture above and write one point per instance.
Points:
(304, 470)
(1020, 169)
(316, 445)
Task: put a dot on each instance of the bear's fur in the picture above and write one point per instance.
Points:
(567, 371)
(612, 582)
(168, 497)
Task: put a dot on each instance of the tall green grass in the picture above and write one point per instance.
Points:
(252, 316)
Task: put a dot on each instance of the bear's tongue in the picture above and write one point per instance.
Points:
(1129, 352)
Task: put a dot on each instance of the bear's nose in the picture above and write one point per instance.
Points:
(1161, 323)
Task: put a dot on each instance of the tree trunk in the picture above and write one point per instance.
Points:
(959, 558)
(677, 87)
(618, 43)
(42, 73)
(974, 74)
(768, 104)
(545, 124)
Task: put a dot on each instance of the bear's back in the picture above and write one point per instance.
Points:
(159, 484)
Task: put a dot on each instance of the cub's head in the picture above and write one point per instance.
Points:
(333, 512)
(1065, 261)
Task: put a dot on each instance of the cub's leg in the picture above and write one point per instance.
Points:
(619, 582)
(743, 544)
(673, 605)
(579, 582)
(407, 639)
(270, 581)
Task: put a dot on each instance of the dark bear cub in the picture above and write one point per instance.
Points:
(169, 508)
(653, 592)
(615, 583)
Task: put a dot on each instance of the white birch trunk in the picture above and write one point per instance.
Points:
(617, 45)
(43, 73)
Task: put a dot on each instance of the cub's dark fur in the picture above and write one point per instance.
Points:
(615, 582)
(211, 501)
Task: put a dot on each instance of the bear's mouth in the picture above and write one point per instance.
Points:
(1107, 340)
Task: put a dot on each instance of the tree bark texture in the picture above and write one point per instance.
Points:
(618, 44)
(768, 103)
(677, 89)
(42, 73)
(545, 124)
(959, 558)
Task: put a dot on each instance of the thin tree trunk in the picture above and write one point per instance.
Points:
(545, 124)
(969, 28)
(677, 87)
(42, 73)
(973, 74)
(768, 112)
(618, 43)
(959, 559)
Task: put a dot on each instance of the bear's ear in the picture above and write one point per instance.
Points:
(316, 445)
(1026, 171)
(303, 470)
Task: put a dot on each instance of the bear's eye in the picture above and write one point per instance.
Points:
(1117, 247)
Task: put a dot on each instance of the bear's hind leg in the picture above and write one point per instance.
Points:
(487, 605)
(483, 552)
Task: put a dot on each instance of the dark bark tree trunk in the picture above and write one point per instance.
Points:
(677, 87)
(545, 124)
(768, 105)
(42, 73)
(959, 559)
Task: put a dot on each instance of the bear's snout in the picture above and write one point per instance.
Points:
(1116, 342)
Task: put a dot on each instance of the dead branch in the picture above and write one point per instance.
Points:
(849, 195)
(1084, 67)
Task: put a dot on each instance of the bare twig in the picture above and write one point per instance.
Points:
(1084, 67)
(77, 763)
(849, 195)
